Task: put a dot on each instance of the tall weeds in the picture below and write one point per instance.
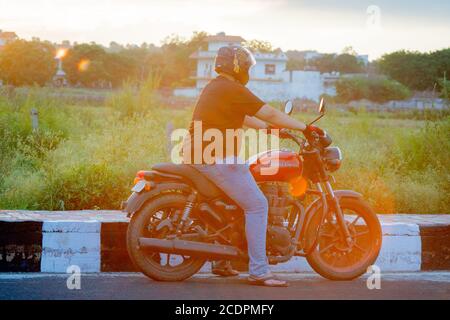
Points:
(135, 99)
(86, 157)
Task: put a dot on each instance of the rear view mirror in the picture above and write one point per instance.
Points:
(322, 106)
(288, 107)
(321, 111)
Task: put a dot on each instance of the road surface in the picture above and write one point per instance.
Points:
(423, 285)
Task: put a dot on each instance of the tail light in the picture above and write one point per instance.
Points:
(140, 176)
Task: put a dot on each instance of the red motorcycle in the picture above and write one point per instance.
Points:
(180, 219)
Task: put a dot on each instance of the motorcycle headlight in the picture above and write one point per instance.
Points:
(333, 158)
(325, 140)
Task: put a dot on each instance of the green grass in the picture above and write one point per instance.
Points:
(85, 157)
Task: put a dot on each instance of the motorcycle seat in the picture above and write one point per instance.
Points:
(203, 185)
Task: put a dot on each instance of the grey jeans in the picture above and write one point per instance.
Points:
(238, 183)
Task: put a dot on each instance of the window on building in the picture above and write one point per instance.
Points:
(208, 69)
(270, 69)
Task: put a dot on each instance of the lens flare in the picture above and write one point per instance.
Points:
(83, 65)
(61, 53)
(298, 186)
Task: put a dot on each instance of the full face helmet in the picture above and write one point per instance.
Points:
(235, 61)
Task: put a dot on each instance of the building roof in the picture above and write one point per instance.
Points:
(203, 55)
(273, 56)
(222, 37)
(210, 55)
(8, 35)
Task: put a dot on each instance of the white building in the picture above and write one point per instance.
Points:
(269, 78)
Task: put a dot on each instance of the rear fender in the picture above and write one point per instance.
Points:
(137, 200)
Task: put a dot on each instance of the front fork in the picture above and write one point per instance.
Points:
(334, 202)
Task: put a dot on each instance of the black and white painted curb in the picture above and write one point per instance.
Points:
(95, 242)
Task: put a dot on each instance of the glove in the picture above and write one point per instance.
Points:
(310, 129)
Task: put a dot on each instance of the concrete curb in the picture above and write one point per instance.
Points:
(37, 241)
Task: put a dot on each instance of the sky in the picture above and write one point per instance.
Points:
(371, 27)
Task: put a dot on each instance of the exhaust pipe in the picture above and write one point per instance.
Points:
(191, 248)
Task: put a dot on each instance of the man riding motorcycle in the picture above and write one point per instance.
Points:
(226, 103)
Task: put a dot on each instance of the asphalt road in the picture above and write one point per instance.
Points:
(424, 285)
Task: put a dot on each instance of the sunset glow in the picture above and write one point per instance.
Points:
(326, 26)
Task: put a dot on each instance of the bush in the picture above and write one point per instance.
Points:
(19, 145)
(89, 165)
(423, 149)
(135, 100)
(379, 90)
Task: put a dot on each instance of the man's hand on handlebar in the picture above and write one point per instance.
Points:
(312, 130)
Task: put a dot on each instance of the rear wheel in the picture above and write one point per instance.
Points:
(333, 258)
(154, 221)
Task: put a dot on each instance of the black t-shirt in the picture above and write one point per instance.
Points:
(223, 104)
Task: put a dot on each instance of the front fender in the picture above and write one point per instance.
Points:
(136, 200)
(347, 194)
(316, 206)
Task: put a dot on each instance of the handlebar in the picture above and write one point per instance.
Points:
(302, 141)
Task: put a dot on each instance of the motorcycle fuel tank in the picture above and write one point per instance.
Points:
(276, 165)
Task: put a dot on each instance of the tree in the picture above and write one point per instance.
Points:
(296, 60)
(295, 64)
(441, 60)
(410, 68)
(349, 50)
(86, 64)
(27, 62)
(259, 46)
(117, 64)
(343, 63)
(175, 65)
(111, 66)
(418, 71)
(444, 85)
(324, 63)
(136, 61)
(119, 68)
(347, 63)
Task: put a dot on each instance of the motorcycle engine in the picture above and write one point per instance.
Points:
(278, 235)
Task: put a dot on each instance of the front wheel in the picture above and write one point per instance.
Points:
(334, 258)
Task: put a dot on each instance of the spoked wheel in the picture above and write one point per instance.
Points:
(154, 220)
(334, 258)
